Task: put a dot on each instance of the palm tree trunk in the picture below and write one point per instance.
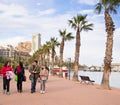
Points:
(61, 57)
(53, 55)
(48, 59)
(76, 63)
(108, 53)
(40, 59)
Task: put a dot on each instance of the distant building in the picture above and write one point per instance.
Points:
(36, 41)
(114, 67)
(7, 51)
(24, 46)
(21, 54)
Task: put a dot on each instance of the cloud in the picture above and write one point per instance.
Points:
(87, 11)
(13, 40)
(88, 2)
(12, 9)
(38, 3)
(47, 12)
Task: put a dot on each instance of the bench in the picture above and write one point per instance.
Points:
(86, 80)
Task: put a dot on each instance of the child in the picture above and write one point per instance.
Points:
(43, 77)
(6, 71)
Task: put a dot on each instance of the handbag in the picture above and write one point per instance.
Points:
(24, 78)
(30, 77)
(16, 78)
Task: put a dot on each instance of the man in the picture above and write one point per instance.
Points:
(34, 70)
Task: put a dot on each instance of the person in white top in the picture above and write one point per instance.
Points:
(43, 78)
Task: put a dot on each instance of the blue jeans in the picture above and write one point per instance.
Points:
(33, 84)
(42, 87)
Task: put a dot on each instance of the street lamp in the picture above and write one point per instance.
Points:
(69, 62)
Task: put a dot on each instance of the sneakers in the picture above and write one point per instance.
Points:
(42, 92)
(32, 91)
(20, 91)
(5, 91)
(8, 93)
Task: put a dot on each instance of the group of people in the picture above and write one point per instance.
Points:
(36, 72)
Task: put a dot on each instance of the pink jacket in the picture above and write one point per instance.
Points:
(4, 70)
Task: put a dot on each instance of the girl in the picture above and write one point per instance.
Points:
(43, 78)
(19, 71)
(5, 71)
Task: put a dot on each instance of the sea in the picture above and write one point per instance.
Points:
(97, 77)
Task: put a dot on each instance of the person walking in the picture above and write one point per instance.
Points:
(6, 71)
(34, 70)
(20, 72)
(43, 78)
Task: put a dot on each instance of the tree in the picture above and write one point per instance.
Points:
(108, 6)
(79, 23)
(65, 36)
(46, 50)
(53, 43)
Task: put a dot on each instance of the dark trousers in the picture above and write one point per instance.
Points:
(33, 84)
(6, 84)
(19, 82)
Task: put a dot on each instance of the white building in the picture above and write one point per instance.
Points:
(114, 67)
(36, 42)
(7, 51)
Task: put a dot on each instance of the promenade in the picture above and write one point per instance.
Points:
(60, 91)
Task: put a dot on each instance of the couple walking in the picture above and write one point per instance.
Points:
(37, 72)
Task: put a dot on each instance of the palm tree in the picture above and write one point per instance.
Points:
(65, 36)
(53, 43)
(108, 6)
(79, 23)
(46, 48)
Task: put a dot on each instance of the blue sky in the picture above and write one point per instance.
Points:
(19, 19)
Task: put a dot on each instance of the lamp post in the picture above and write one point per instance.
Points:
(69, 62)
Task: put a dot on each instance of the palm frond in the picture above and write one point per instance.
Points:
(98, 8)
(72, 24)
(87, 27)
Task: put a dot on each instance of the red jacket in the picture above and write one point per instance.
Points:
(4, 70)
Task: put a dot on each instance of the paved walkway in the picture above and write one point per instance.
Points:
(60, 91)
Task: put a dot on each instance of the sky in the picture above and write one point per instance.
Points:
(20, 19)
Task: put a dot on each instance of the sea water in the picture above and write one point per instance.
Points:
(97, 77)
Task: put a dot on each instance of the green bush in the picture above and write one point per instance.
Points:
(1, 64)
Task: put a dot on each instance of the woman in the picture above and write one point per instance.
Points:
(20, 72)
(6, 72)
(43, 78)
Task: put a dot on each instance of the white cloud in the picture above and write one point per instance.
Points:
(89, 2)
(39, 4)
(87, 11)
(47, 12)
(12, 10)
(12, 40)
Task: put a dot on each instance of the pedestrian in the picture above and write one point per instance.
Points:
(6, 72)
(43, 77)
(34, 70)
(20, 72)
(47, 68)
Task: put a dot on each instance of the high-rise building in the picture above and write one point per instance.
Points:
(24, 46)
(36, 41)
